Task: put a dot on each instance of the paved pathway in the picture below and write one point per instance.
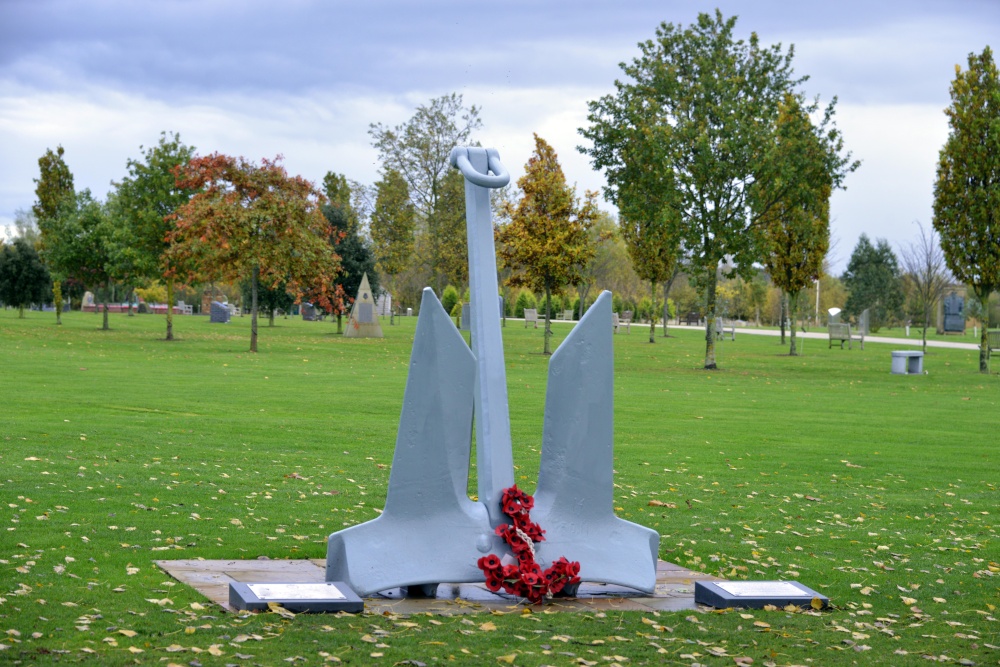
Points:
(822, 335)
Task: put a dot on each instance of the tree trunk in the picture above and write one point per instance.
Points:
(984, 350)
(793, 306)
(652, 312)
(57, 297)
(128, 298)
(170, 308)
(340, 320)
(548, 329)
(107, 294)
(712, 279)
(253, 307)
(20, 312)
(666, 300)
(270, 318)
(782, 314)
(584, 290)
(927, 323)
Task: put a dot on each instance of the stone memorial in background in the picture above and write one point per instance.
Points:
(954, 313)
(308, 312)
(430, 531)
(363, 322)
(219, 313)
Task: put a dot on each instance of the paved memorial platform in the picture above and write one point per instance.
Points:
(674, 588)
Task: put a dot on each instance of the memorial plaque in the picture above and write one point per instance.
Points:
(296, 597)
(365, 313)
(954, 313)
(757, 594)
(219, 313)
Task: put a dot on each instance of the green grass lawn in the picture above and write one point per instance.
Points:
(118, 449)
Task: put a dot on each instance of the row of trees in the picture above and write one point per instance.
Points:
(177, 216)
(718, 163)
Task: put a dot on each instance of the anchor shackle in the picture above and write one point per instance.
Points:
(460, 160)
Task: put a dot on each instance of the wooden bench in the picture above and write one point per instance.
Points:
(530, 315)
(566, 315)
(617, 322)
(841, 332)
(692, 318)
(722, 329)
(992, 342)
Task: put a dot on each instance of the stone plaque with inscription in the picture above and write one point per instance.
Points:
(757, 594)
(296, 597)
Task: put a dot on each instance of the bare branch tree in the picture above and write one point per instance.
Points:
(925, 270)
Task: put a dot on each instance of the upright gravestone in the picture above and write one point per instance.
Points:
(363, 322)
(219, 313)
(308, 311)
(954, 313)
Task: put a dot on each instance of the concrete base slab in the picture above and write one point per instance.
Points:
(674, 589)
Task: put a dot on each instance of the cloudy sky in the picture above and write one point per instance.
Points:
(305, 78)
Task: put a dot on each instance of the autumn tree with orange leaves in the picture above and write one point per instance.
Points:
(257, 222)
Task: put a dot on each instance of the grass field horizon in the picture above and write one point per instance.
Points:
(119, 449)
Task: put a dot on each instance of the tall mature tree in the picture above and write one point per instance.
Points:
(418, 150)
(604, 233)
(80, 244)
(873, 282)
(967, 191)
(923, 262)
(144, 203)
(257, 222)
(391, 226)
(698, 113)
(447, 227)
(55, 192)
(546, 242)
(653, 243)
(23, 278)
(795, 232)
(356, 258)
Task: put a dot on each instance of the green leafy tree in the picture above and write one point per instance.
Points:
(143, 205)
(55, 194)
(448, 230)
(392, 226)
(23, 278)
(967, 190)
(795, 230)
(873, 282)
(269, 299)
(356, 258)
(256, 222)
(80, 243)
(546, 242)
(697, 112)
(418, 150)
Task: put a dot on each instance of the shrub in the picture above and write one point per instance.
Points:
(449, 297)
(525, 299)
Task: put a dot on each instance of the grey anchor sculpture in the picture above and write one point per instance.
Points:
(430, 530)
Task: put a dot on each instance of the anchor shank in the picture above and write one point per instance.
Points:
(494, 460)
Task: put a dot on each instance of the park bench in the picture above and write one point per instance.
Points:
(566, 315)
(692, 318)
(722, 329)
(530, 315)
(617, 322)
(841, 332)
(992, 342)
